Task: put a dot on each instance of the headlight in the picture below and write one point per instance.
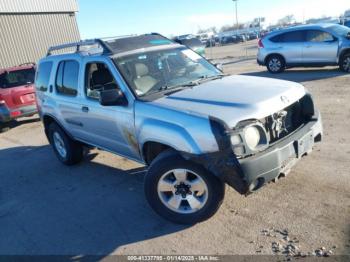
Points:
(252, 137)
(249, 139)
(255, 136)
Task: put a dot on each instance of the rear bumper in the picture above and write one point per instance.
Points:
(7, 115)
(261, 56)
(260, 62)
(281, 157)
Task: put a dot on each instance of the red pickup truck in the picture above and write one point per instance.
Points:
(17, 93)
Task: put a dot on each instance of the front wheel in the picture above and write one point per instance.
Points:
(275, 64)
(182, 191)
(4, 127)
(344, 63)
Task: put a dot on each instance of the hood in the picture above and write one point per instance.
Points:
(235, 98)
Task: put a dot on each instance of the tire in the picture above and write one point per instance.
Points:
(206, 198)
(60, 140)
(4, 127)
(275, 64)
(344, 63)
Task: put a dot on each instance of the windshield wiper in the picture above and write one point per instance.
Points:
(179, 87)
(189, 84)
(195, 82)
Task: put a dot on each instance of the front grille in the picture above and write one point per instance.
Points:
(286, 121)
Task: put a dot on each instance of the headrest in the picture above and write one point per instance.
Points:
(102, 76)
(141, 70)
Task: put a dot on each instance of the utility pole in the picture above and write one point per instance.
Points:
(235, 5)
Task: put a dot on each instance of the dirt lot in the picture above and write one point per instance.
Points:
(98, 207)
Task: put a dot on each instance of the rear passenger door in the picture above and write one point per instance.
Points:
(290, 45)
(67, 100)
(320, 47)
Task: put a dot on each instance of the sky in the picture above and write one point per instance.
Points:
(174, 17)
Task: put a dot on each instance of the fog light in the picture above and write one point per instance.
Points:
(236, 140)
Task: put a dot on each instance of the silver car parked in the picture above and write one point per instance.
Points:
(306, 46)
(159, 103)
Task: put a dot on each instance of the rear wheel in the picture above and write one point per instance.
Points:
(182, 191)
(344, 63)
(275, 64)
(68, 151)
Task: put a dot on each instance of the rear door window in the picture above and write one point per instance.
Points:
(43, 76)
(289, 37)
(318, 36)
(17, 78)
(67, 78)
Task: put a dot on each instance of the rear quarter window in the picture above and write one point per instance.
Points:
(43, 76)
(67, 78)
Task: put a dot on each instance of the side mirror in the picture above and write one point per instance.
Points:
(112, 97)
(219, 66)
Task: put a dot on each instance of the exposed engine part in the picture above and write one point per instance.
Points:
(279, 123)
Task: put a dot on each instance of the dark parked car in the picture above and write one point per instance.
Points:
(229, 40)
(240, 38)
(233, 39)
(252, 36)
(210, 42)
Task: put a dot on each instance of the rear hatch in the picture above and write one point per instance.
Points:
(17, 88)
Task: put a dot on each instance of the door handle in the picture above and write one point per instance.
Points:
(85, 109)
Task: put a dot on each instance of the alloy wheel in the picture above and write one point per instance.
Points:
(346, 64)
(59, 144)
(275, 64)
(182, 191)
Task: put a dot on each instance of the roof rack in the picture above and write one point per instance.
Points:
(106, 44)
(111, 38)
(78, 45)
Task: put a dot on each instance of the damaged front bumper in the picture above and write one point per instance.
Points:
(248, 174)
(282, 156)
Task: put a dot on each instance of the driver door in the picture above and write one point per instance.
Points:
(108, 127)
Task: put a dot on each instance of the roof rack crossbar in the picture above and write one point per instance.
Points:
(77, 45)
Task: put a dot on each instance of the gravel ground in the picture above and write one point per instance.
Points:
(98, 206)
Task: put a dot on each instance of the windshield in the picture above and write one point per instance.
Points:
(340, 30)
(151, 72)
(17, 78)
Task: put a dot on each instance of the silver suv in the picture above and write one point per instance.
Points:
(306, 46)
(159, 103)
